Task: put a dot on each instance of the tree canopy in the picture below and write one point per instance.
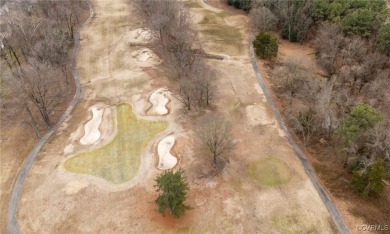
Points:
(266, 45)
(360, 22)
(362, 117)
(383, 39)
(173, 193)
(369, 180)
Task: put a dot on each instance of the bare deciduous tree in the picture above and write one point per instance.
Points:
(326, 109)
(378, 91)
(196, 89)
(15, 104)
(53, 48)
(303, 20)
(328, 44)
(354, 51)
(215, 135)
(262, 19)
(293, 80)
(35, 48)
(42, 86)
(305, 124)
(170, 22)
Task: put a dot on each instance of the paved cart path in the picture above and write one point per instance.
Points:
(12, 226)
(334, 213)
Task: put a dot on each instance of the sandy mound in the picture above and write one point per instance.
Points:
(208, 7)
(166, 159)
(92, 133)
(236, 20)
(257, 114)
(69, 149)
(146, 56)
(159, 100)
(140, 35)
(74, 187)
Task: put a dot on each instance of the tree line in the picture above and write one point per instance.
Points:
(298, 20)
(35, 43)
(349, 110)
(180, 47)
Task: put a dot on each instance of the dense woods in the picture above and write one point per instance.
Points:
(348, 110)
(35, 41)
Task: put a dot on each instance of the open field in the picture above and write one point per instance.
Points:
(263, 187)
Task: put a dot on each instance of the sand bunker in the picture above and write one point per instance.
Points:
(92, 133)
(144, 34)
(118, 160)
(159, 101)
(141, 35)
(166, 159)
(144, 55)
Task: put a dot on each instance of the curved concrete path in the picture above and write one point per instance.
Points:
(12, 227)
(334, 213)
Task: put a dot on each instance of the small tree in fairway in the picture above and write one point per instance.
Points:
(173, 192)
(214, 134)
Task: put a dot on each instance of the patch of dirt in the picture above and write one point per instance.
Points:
(257, 114)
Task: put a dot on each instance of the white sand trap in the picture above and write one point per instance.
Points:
(91, 129)
(145, 58)
(159, 101)
(74, 187)
(166, 159)
(144, 55)
(257, 114)
(144, 34)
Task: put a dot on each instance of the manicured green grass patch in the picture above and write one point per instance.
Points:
(226, 38)
(292, 224)
(269, 172)
(119, 160)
